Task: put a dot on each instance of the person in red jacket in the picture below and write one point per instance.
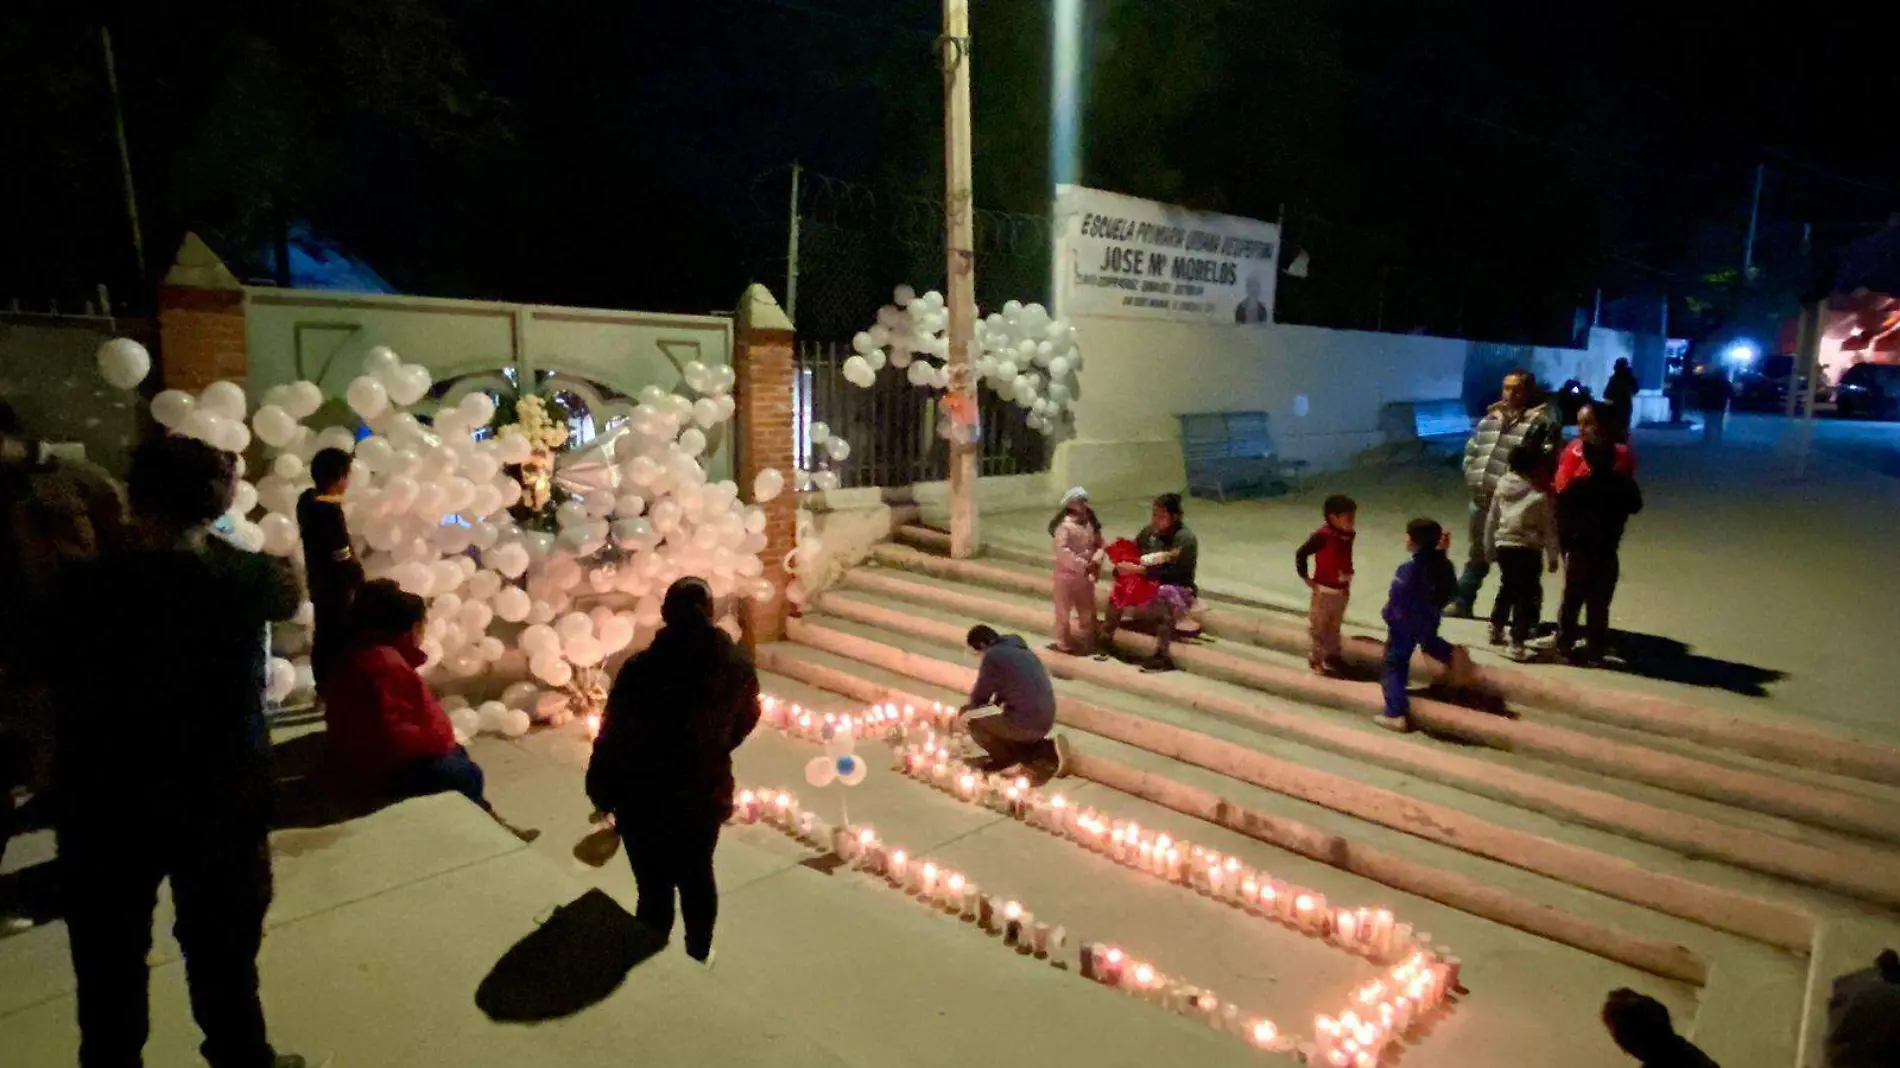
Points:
(1590, 431)
(388, 735)
(1330, 579)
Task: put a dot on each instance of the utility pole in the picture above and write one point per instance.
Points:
(791, 253)
(1754, 215)
(125, 153)
(959, 234)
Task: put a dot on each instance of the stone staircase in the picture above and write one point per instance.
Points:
(1692, 843)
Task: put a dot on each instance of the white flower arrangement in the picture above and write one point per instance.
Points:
(532, 422)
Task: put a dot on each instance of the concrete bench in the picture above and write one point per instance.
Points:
(1230, 451)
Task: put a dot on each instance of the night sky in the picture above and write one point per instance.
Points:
(1509, 159)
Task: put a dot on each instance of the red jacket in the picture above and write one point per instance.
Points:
(1570, 466)
(1130, 591)
(1330, 550)
(382, 716)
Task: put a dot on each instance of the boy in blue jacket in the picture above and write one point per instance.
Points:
(1420, 590)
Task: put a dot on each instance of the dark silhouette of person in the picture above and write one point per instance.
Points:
(662, 765)
(329, 561)
(163, 759)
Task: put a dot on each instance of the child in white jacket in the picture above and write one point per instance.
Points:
(1520, 533)
(1078, 539)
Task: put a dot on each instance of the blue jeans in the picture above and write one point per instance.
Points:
(454, 772)
(1400, 642)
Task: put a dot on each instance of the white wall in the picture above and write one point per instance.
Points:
(1322, 388)
(322, 336)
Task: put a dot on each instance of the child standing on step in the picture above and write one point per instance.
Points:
(1330, 550)
(1078, 538)
(1520, 537)
(1421, 589)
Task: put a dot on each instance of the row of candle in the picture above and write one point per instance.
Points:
(953, 892)
(1378, 1012)
(1224, 878)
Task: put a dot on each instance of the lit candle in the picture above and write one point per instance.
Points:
(1303, 905)
(1145, 981)
(953, 885)
(1403, 1009)
(1283, 897)
(929, 882)
(1112, 963)
(1346, 923)
(1229, 1019)
(966, 786)
(1207, 1007)
(899, 867)
(782, 809)
(1250, 894)
(1012, 923)
(1174, 865)
(747, 809)
(1401, 939)
(867, 840)
(1217, 881)
(973, 896)
(1118, 844)
(1321, 916)
(1325, 1035)
(1265, 1035)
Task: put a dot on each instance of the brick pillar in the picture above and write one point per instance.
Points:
(762, 362)
(200, 320)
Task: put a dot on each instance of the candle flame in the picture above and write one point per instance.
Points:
(899, 857)
(956, 881)
(1304, 902)
(1012, 911)
(1264, 1033)
(866, 836)
(1144, 975)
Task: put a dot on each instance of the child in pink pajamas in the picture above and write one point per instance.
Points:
(1078, 538)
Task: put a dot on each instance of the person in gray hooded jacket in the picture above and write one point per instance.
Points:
(1516, 419)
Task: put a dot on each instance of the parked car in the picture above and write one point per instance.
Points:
(1870, 391)
(1765, 389)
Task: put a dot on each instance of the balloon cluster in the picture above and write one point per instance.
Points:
(827, 445)
(429, 503)
(1026, 356)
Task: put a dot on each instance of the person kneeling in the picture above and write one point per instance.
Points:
(1012, 707)
(388, 735)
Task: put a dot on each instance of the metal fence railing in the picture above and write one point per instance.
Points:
(892, 427)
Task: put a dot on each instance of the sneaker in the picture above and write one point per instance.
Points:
(707, 961)
(1064, 756)
(1458, 610)
(1519, 653)
(1548, 643)
(1393, 723)
(1157, 664)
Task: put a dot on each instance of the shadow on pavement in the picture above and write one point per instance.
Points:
(301, 800)
(1669, 660)
(574, 961)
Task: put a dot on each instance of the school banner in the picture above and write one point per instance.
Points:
(1123, 257)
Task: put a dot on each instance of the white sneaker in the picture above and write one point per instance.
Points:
(1064, 756)
(1401, 724)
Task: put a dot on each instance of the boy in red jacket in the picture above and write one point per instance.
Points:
(388, 735)
(1330, 550)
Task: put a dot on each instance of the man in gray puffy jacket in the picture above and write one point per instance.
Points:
(1516, 419)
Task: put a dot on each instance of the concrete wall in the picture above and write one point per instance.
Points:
(321, 336)
(1323, 388)
(49, 376)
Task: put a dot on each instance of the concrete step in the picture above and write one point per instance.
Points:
(1825, 809)
(1702, 889)
(1865, 872)
(1748, 986)
(1776, 742)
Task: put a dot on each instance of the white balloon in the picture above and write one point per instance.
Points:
(551, 669)
(248, 535)
(706, 412)
(380, 360)
(231, 436)
(767, 484)
(123, 362)
(903, 295)
(839, 448)
(573, 625)
(693, 440)
(512, 604)
(244, 500)
(598, 503)
(274, 426)
(571, 513)
(172, 407)
(583, 650)
(478, 408)
(465, 719)
(723, 378)
(409, 384)
(819, 771)
(282, 678)
(818, 433)
(475, 617)
(302, 399)
(513, 449)
(280, 534)
(367, 397)
(858, 770)
(516, 723)
(539, 639)
(225, 399)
